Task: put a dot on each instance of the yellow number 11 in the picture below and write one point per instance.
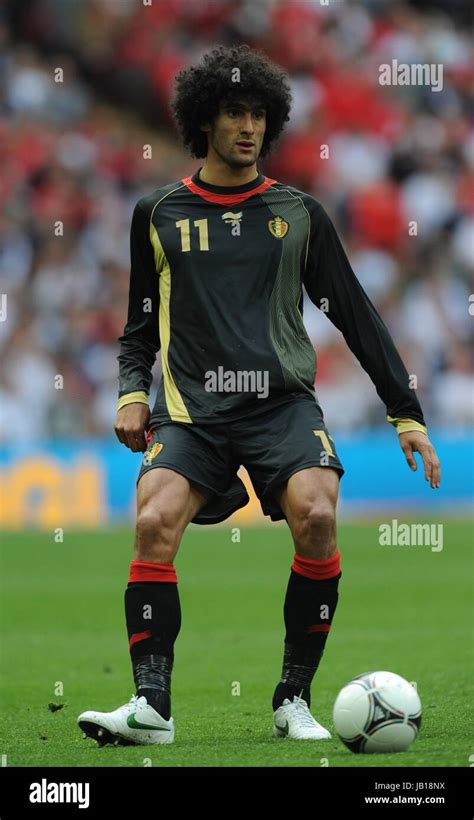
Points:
(201, 225)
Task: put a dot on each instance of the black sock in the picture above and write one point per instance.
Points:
(153, 615)
(309, 609)
(152, 674)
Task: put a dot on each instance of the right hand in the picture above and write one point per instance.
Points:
(130, 425)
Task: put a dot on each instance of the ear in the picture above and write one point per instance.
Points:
(206, 127)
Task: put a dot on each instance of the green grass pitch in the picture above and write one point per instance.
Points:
(405, 609)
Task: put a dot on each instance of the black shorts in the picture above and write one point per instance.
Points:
(271, 446)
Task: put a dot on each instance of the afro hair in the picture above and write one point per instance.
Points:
(200, 89)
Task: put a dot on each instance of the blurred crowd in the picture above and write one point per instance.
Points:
(72, 152)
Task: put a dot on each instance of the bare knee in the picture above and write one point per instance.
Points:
(157, 534)
(321, 516)
(314, 530)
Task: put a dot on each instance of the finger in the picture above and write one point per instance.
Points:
(121, 436)
(435, 471)
(140, 440)
(425, 453)
(411, 461)
(133, 440)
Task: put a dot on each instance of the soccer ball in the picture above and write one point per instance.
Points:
(377, 712)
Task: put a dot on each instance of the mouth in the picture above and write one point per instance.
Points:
(245, 145)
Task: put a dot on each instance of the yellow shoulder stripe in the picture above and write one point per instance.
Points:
(174, 401)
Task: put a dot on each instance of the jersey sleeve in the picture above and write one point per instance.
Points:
(334, 288)
(141, 339)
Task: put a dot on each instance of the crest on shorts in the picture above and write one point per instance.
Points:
(153, 452)
(278, 227)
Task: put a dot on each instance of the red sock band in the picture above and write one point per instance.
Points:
(139, 636)
(152, 571)
(319, 628)
(317, 570)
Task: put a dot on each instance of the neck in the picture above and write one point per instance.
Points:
(216, 172)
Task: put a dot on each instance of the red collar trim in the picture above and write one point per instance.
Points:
(226, 199)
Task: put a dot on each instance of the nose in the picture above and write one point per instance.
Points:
(247, 123)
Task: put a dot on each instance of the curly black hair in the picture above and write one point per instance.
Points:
(201, 88)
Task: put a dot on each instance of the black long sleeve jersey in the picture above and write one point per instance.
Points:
(216, 283)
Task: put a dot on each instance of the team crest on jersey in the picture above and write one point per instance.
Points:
(278, 227)
(152, 452)
(229, 216)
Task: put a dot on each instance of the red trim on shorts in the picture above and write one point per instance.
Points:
(315, 569)
(139, 636)
(152, 571)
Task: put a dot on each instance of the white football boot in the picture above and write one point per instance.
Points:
(296, 721)
(134, 723)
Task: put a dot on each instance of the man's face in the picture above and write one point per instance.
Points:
(237, 133)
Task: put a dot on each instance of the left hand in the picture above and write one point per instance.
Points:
(415, 442)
